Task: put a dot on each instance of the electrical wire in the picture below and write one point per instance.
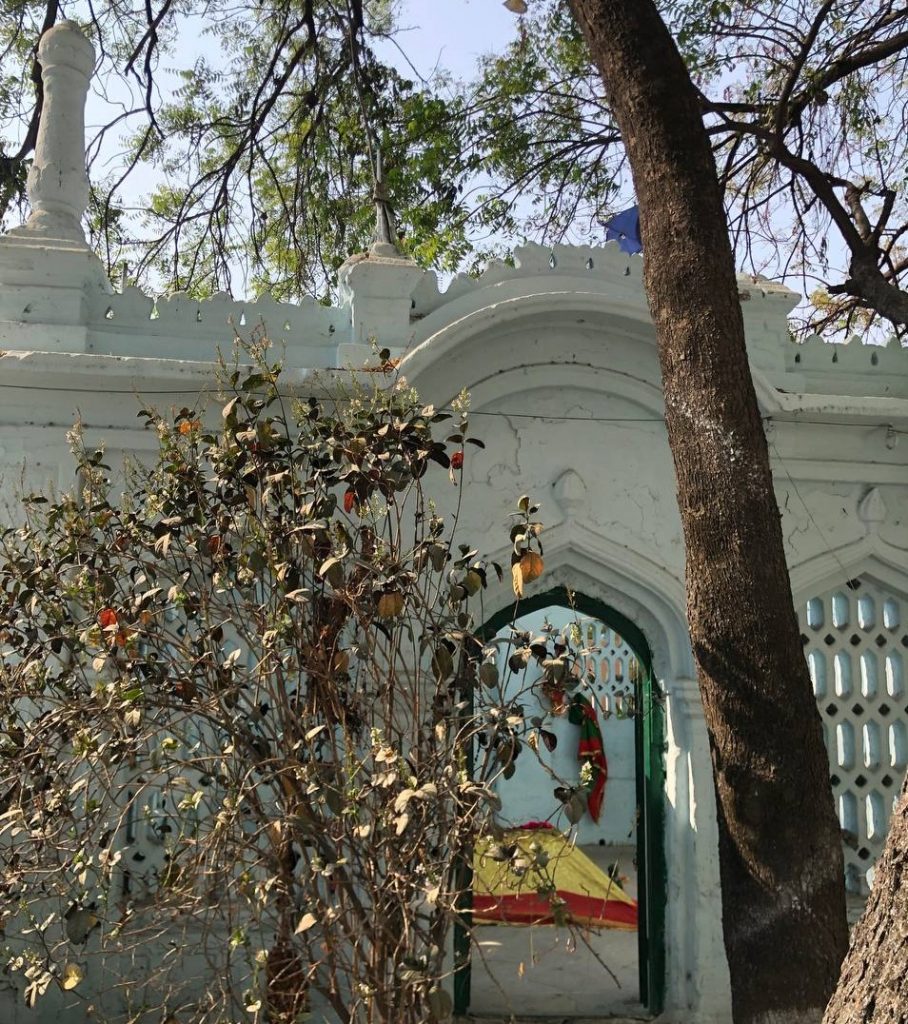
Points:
(823, 538)
(502, 413)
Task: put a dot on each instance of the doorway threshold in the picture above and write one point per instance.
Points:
(606, 1018)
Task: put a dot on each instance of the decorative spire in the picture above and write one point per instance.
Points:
(385, 241)
(57, 182)
(378, 284)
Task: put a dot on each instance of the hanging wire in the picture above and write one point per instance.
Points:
(501, 413)
(825, 540)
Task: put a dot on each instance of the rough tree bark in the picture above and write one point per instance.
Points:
(779, 840)
(873, 988)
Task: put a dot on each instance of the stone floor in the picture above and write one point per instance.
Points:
(549, 973)
(604, 1019)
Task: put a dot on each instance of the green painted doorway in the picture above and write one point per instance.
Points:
(649, 763)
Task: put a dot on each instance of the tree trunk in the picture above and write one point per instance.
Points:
(779, 841)
(873, 988)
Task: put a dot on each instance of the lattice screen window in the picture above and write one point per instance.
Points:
(611, 663)
(856, 640)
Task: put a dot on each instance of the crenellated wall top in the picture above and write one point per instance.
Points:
(596, 265)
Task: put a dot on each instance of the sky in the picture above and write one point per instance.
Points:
(454, 34)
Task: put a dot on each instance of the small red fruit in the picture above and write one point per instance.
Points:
(349, 501)
(457, 460)
(107, 618)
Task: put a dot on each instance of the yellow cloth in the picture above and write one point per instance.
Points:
(583, 893)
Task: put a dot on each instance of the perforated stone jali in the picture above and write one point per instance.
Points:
(853, 636)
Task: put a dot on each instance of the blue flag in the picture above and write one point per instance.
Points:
(624, 227)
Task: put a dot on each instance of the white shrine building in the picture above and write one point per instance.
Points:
(559, 355)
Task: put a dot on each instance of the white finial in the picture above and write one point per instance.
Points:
(57, 182)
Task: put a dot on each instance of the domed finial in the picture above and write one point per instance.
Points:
(57, 182)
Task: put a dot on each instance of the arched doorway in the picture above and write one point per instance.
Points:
(627, 840)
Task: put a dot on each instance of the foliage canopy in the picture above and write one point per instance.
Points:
(260, 144)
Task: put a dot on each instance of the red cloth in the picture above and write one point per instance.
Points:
(531, 908)
(592, 749)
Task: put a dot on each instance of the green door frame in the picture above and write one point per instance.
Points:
(649, 745)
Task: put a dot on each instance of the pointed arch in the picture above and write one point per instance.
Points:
(869, 556)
